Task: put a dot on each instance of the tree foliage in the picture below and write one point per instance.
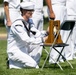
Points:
(44, 3)
(1, 1)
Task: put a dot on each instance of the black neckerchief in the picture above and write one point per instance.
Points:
(27, 28)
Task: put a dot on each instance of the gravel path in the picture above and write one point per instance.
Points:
(3, 36)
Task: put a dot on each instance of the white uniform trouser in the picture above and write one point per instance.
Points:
(14, 14)
(37, 18)
(71, 49)
(60, 13)
(20, 59)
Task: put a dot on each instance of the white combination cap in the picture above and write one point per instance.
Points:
(27, 5)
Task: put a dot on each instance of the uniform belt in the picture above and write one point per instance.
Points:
(62, 4)
(39, 10)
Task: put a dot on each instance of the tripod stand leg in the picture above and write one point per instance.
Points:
(69, 64)
(63, 57)
(52, 59)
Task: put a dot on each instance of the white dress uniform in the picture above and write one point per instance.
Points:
(71, 15)
(37, 16)
(21, 50)
(59, 8)
(13, 10)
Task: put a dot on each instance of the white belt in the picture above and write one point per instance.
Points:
(39, 10)
(62, 4)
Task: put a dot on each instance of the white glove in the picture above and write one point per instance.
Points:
(44, 33)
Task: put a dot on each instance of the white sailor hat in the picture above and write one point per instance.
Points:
(27, 5)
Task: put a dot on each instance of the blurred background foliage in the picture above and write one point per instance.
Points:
(1, 1)
(1, 16)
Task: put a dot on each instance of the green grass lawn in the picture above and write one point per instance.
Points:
(47, 70)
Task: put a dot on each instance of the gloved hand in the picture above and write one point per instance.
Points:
(41, 34)
(44, 33)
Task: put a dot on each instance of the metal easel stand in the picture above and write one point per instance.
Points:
(48, 53)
